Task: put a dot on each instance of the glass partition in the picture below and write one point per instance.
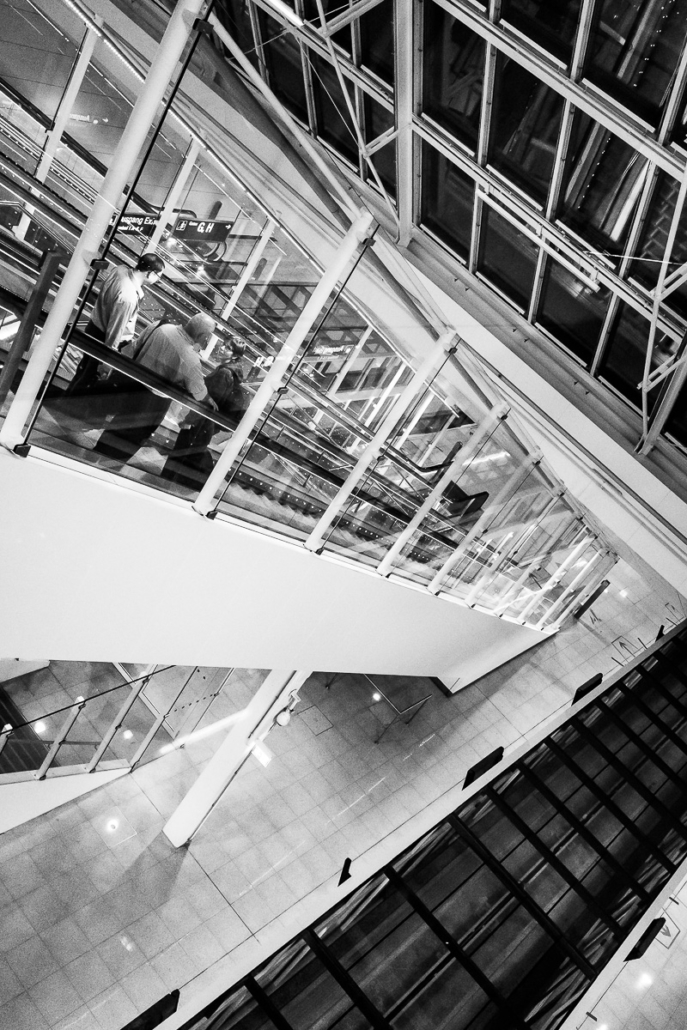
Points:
(117, 721)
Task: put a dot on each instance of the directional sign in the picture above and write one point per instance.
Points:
(141, 225)
(195, 230)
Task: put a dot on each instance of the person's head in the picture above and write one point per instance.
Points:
(151, 267)
(200, 328)
(238, 350)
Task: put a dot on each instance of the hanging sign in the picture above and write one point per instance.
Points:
(195, 230)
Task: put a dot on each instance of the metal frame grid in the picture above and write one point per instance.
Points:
(663, 379)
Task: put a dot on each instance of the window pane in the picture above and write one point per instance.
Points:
(550, 23)
(571, 310)
(377, 121)
(447, 199)
(453, 74)
(507, 257)
(377, 40)
(623, 363)
(677, 423)
(283, 58)
(602, 185)
(524, 128)
(333, 121)
(235, 17)
(634, 51)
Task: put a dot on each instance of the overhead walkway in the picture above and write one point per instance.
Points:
(506, 912)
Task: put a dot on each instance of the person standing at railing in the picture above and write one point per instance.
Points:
(172, 353)
(113, 319)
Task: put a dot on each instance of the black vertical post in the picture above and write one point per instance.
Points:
(20, 344)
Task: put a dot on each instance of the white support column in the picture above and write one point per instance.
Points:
(452, 473)
(256, 720)
(146, 108)
(398, 409)
(347, 251)
(174, 194)
(508, 488)
(62, 115)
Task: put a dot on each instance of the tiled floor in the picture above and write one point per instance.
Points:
(101, 915)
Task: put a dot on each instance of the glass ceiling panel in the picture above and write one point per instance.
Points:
(453, 74)
(447, 200)
(572, 310)
(235, 16)
(284, 66)
(524, 128)
(623, 363)
(550, 23)
(377, 40)
(333, 121)
(602, 185)
(507, 257)
(36, 57)
(634, 52)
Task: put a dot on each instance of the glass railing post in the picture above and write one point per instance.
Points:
(434, 359)
(348, 249)
(452, 473)
(60, 738)
(508, 488)
(572, 603)
(555, 577)
(177, 33)
(116, 723)
(501, 557)
(570, 589)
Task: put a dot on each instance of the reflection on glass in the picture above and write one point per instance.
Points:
(284, 66)
(377, 40)
(453, 63)
(235, 17)
(507, 257)
(448, 196)
(550, 23)
(572, 310)
(634, 51)
(624, 355)
(524, 128)
(36, 57)
(602, 184)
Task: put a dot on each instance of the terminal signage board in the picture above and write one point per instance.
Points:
(196, 230)
(140, 225)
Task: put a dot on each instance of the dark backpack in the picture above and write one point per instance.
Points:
(227, 391)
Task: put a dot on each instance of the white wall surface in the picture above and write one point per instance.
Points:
(95, 569)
